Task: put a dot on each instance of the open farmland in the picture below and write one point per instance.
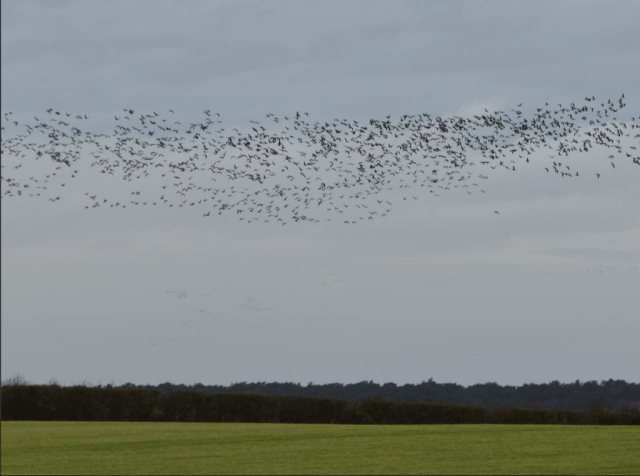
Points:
(246, 448)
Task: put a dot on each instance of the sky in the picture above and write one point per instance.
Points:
(441, 288)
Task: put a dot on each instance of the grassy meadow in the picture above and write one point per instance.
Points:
(30, 447)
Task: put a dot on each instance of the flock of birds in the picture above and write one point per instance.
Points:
(302, 171)
(596, 270)
(257, 305)
(249, 302)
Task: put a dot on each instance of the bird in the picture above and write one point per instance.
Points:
(428, 152)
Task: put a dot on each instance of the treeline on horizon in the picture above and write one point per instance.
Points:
(82, 403)
(554, 395)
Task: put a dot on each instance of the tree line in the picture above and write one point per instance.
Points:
(555, 395)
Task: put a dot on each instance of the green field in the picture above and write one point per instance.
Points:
(249, 448)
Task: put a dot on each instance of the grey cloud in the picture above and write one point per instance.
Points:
(595, 254)
(88, 283)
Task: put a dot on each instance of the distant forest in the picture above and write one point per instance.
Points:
(577, 395)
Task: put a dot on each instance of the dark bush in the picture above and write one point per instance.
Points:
(81, 403)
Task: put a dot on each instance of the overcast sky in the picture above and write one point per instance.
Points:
(441, 288)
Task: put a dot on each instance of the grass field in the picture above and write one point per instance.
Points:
(248, 448)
